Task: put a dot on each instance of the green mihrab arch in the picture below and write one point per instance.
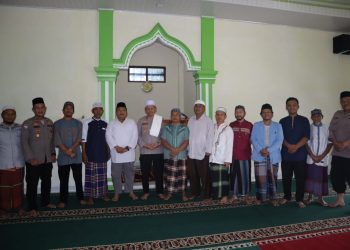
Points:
(158, 33)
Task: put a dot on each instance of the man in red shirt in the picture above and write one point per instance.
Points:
(240, 172)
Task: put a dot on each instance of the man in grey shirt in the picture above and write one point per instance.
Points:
(68, 133)
(39, 154)
(151, 151)
(11, 162)
(339, 133)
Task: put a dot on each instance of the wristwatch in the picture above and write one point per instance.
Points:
(127, 148)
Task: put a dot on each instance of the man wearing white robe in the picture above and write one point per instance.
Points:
(201, 136)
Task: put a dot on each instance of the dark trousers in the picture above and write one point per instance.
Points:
(146, 162)
(33, 173)
(340, 173)
(299, 170)
(199, 176)
(63, 173)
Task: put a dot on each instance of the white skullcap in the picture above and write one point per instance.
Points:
(221, 109)
(199, 102)
(150, 103)
(6, 107)
(97, 105)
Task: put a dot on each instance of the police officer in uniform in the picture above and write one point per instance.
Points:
(39, 154)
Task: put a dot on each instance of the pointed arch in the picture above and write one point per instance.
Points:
(158, 33)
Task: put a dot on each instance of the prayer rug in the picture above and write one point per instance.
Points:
(155, 224)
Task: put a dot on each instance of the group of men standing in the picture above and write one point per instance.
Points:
(214, 156)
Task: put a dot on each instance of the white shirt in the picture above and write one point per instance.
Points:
(318, 143)
(267, 135)
(122, 134)
(201, 137)
(222, 145)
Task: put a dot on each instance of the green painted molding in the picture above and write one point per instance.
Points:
(207, 76)
(158, 32)
(106, 73)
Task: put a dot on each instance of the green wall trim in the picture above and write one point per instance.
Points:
(207, 76)
(102, 94)
(207, 43)
(111, 100)
(157, 33)
(106, 73)
(210, 100)
(105, 70)
(105, 37)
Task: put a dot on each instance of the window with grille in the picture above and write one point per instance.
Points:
(146, 74)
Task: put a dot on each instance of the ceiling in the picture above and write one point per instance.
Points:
(332, 15)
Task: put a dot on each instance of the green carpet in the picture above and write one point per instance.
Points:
(118, 224)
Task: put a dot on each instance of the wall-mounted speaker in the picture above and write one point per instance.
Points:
(341, 44)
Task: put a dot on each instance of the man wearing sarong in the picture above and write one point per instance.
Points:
(240, 171)
(68, 133)
(39, 154)
(318, 148)
(151, 150)
(122, 137)
(221, 156)
(95, 155)
(296, 131)
(175, 141)
(11, 162)
(339, 133)
(200, 142)
(267, 139)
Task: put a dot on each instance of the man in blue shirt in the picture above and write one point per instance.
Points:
(296, 131)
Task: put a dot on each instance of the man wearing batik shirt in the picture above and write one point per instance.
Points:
(95, 155)
(240, 173)
(39, 154)
(11, 162)
(199, 149)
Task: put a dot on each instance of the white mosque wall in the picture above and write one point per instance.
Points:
(52, 53)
